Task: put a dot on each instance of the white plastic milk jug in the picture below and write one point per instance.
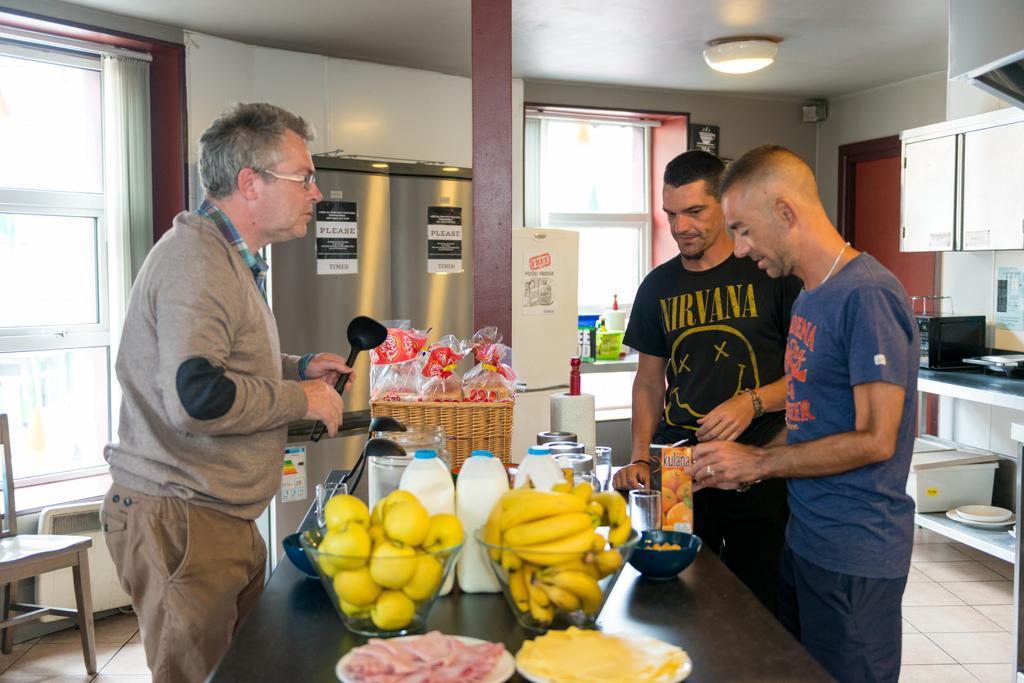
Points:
(482, 481)
(429, 480)
(539, 468)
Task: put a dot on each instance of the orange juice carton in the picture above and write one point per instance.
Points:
(668, 475)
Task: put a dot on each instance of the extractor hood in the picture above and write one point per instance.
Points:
(986, 46)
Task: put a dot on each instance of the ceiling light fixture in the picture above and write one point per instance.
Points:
(740, 55)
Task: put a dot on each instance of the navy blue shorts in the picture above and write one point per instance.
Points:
(851, 624)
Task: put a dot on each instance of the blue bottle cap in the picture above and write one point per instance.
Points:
(538, 450)
(425, 454)
(482, 453)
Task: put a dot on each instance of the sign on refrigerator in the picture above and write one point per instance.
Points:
(539, 283)
(444, 239)
(337, 238)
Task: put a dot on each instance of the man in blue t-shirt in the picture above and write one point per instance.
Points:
(851, 388)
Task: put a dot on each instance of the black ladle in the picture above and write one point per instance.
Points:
(380, 423)
(375, 447)
(364, 333)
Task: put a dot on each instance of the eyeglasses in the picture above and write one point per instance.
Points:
(306, 180)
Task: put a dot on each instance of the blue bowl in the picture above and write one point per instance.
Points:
(664, 564)
(297, 555)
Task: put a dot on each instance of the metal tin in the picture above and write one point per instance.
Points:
(550, 437)
(559, 447)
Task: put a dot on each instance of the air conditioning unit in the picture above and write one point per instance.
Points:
(57, 589)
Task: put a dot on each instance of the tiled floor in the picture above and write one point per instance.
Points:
(957, 626)
(957, 614)
(57, 658)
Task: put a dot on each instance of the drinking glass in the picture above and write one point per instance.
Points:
(645, 509)
(603, 465)
(324, 494)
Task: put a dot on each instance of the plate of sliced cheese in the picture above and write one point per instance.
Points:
(579, 656)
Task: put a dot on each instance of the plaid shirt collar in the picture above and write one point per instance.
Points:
(255, 262)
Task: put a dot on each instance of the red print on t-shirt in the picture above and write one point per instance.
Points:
(801, 341)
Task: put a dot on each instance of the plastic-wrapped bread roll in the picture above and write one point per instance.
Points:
(575, 414)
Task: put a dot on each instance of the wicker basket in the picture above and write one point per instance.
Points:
(467, 426)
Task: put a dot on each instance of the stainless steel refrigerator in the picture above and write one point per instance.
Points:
(392, 241)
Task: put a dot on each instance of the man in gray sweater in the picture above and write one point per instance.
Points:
(208, 395)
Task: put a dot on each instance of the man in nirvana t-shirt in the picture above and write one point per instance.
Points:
(711, 331)
(851, 380)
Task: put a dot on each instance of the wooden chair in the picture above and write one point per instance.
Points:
(24, 556)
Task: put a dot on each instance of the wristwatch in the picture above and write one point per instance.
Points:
(756, 400)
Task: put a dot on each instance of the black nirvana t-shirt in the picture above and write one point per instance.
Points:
(722, 330)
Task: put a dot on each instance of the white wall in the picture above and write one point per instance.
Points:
(969, 277)
(359, 107)
(745, 122)
(870, 114)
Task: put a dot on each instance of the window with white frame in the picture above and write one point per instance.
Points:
(55, 337)
(590, 174)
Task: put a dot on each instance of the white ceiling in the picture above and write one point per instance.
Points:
(829, 47)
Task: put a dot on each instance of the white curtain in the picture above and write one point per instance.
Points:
(128, 188)
(127, 167)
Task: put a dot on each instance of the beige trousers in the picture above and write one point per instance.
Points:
(193, 575)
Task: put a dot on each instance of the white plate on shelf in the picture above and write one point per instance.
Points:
(951, 514)
(984, 513)
(502, 671)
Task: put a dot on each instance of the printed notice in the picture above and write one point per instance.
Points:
(539, 284)
(293, 474)
(444, 239)
(1009, 304)
(337, 238)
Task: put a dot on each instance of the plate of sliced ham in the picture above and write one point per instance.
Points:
(430, 658)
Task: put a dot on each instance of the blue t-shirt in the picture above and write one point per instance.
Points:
(854, 329)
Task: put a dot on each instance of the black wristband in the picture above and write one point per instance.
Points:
(641, 462)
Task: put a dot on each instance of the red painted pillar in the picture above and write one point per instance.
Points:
(492, 164)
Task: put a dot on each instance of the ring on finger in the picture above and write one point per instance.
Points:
(711, 471)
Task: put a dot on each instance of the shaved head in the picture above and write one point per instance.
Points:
(772, 208)
(769, 169)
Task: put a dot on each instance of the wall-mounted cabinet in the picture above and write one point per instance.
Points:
(963, 184)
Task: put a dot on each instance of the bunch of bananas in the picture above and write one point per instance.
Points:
(547, 544)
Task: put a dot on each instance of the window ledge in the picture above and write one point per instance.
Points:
(29, 499)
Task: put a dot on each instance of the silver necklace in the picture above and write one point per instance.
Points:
(834, 264)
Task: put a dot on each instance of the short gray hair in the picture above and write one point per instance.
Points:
(245, 136)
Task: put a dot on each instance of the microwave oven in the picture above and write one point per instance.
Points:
(946, 339)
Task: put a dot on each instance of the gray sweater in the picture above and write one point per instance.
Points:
(196, 298)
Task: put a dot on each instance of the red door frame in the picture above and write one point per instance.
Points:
(849, 156)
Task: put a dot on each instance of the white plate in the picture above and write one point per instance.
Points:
(984, 513)
(502, 671)
(684, 669)
(951, 514)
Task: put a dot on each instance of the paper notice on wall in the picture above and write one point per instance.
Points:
(539, 283)
(337, 238)
(293, 474)
(444, 239)
(1009, 298)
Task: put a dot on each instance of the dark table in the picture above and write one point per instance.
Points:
(294, 633)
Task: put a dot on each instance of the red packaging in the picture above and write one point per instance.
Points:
(394, 365)
(490, 381)
(440, 382)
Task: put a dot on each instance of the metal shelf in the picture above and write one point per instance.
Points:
(996, 542)
(973, 386)
(627, 364)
